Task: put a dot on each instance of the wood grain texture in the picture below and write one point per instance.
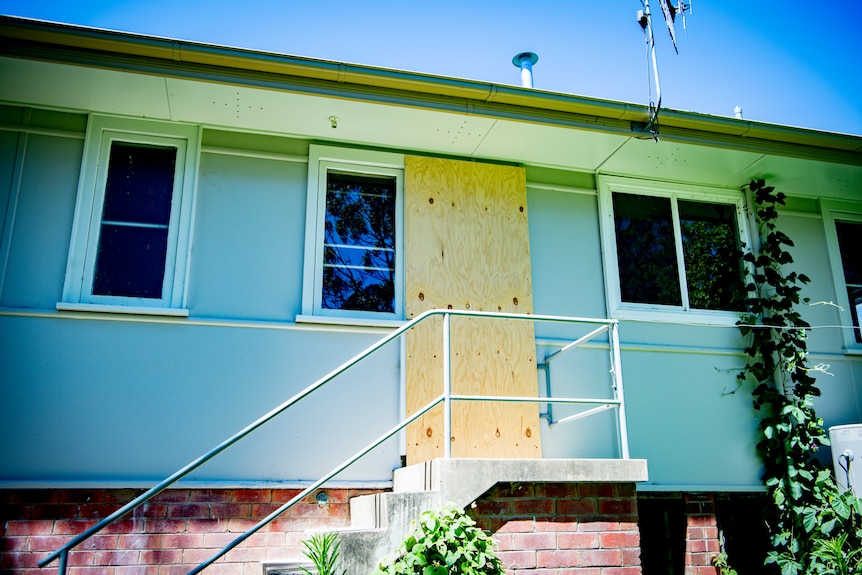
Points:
(467, 247)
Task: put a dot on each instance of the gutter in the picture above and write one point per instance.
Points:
(48, 41)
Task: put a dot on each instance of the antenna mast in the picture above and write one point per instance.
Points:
(645, 20)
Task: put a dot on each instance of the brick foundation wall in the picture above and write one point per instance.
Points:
(167, 536)
(701, 534)
(563, 528)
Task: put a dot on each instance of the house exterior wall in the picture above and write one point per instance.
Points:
(72, 380)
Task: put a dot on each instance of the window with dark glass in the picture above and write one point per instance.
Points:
(359, 243)
(651, 271)
(136, 213)
(849, 235)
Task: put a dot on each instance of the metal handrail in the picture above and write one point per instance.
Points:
(446, 398)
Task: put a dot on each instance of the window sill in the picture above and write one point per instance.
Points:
(133, 310)
(350, 321)
(698, 317)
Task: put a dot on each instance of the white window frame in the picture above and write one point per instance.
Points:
(102, 131)
(363, 163)
(656, 312)
(846, 212)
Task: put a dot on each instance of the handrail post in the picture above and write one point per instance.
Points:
(61, 563)
(614, 341)
(447, 389)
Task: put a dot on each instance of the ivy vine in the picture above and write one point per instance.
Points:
(814, 527)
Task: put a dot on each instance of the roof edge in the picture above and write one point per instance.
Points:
(16, 30)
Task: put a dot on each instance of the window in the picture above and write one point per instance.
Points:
(132, 217)
(843, 222)
(353, 270)
(671, 248)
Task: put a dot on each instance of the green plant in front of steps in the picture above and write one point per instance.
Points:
(444, 542)
(323, 550)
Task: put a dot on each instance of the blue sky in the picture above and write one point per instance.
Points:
(793, 63)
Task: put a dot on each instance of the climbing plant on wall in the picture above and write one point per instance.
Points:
(815, 528)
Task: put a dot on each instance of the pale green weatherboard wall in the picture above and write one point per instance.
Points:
(125, 400)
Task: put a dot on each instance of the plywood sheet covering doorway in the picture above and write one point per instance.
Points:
(467, 247)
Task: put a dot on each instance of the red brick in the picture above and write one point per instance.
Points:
(150, 509)
(165, 526)
(188, 510)
(517, 526)
(261, 510)
(557, 524)
(631, 556)
(504, 542)
(619, 539)
(339, 509)
(518, 559)
(119, 557)
(91, 571)
(14, 543)
(207, 525)
(216, 540)
(626, 490)
(182, 540)
(29, 528)
(79, 496)
(556, 490)
(266, 540)
(574, 571)
(137, 570)
(245, 554)
(124, 526)
(533, 507)
(533, 541)
(601, 558)
(558, 558)
(19, 560)
(696, 546)
(702, 520)
(239, 525)
(197, 556)
(492, 507)
(627, 571)
(251, 496)
(172, 496)
(81, 558)
(285, 495)
(599, 526)
(161, 556)
(578, 540)
(229, 510)
(96, 510)
(576, 507)
(710, 532)
(72, 526)
(53, 512)
(617, 507)
(47, 542)
(513, 490)
(174, 569)
(210, 496)
(140, 541)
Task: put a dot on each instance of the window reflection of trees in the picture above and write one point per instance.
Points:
(359, 243)
(647, 258)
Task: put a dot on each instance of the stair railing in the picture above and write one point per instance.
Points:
(446, 398)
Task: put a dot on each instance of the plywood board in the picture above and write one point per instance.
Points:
(467, 247)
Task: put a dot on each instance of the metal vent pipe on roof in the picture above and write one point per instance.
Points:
(525, 61)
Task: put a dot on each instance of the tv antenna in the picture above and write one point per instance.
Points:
(669, 11)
